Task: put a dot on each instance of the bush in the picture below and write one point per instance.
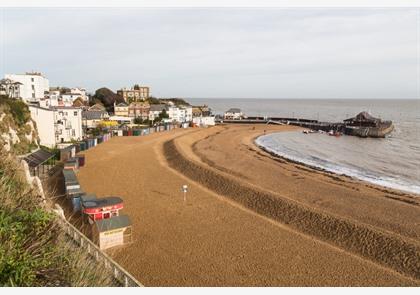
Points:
(18, 109)
(34, 251)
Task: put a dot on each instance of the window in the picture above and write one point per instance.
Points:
(32, 79)
(75, 113)
(33, 87)
(73, 132)
(33, 95)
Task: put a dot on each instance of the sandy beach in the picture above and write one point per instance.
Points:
(250, 219)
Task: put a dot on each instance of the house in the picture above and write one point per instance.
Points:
(121, 109)
(156, 110)
(136, 93)
(57, 124)
(10, 88)
(233, 114)
(180, 114)
(33, 86)
(79, 92)
(92, 118)
(199, 111)
(139, 110)
(69, 97)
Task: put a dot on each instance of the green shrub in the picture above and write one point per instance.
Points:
(18, 109)
(34, 251)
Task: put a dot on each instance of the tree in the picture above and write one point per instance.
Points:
(163, 115)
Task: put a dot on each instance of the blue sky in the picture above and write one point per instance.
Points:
(219, 52)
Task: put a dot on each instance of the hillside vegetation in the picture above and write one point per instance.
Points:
(34, 251)
(17, 131)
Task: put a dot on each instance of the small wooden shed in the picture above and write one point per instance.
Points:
(112, 232)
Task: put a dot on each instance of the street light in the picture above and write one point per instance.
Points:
(185, 190)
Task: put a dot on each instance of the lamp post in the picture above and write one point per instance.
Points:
(185, 190)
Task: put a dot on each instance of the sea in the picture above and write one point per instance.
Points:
(392, 162)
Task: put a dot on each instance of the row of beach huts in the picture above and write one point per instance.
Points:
(109, 227)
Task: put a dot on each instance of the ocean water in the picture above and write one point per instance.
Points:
(393, 161)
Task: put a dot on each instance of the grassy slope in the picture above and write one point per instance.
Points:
(33, 249)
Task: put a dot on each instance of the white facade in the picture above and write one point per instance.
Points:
(80, 92)
(57, 124)
(204, 121)
(180, 114)
(33, 87)
(233, 114)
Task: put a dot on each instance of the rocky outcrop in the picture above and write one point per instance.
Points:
(18, 132)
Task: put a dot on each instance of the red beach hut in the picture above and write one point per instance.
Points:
(104, 208)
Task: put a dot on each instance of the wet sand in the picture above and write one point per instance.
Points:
(216, 240)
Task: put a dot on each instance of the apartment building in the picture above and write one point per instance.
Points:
(57, 124)
(136, 93)
(33, 86)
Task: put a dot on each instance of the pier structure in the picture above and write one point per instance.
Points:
(306, 123)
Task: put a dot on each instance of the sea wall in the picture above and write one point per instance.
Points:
(393, 251)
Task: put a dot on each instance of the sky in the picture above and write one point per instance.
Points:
(219, 52)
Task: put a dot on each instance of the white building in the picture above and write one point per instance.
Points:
(233, 114)
(180, 114)
(57, 124)
(33, 87)
(80, 92)
(156, 110)
(204, 121)
(10, 88)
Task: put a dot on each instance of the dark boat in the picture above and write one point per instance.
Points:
(365, 125)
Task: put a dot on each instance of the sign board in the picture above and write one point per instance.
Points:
(111, 238)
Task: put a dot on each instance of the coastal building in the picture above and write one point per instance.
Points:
(199, 111)
(204, 121)
(69, 97)
(57, 124)
(10, 88)
(180, 114)
(136, 93)
(33, 86)
(139, 110)
(233, 114)
(121, 109)
(156, 110)
(92, 118)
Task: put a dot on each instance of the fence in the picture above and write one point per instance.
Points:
(118, 272)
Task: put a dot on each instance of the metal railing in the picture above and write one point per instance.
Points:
(119, 273)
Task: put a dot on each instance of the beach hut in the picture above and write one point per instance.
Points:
(82, 146)
(71, 164)
(71, 184)
(81, 160)
(75, 202)
(112, 232)
(102, 208)
(67, 152)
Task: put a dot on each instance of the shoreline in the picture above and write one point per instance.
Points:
(413, 198)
